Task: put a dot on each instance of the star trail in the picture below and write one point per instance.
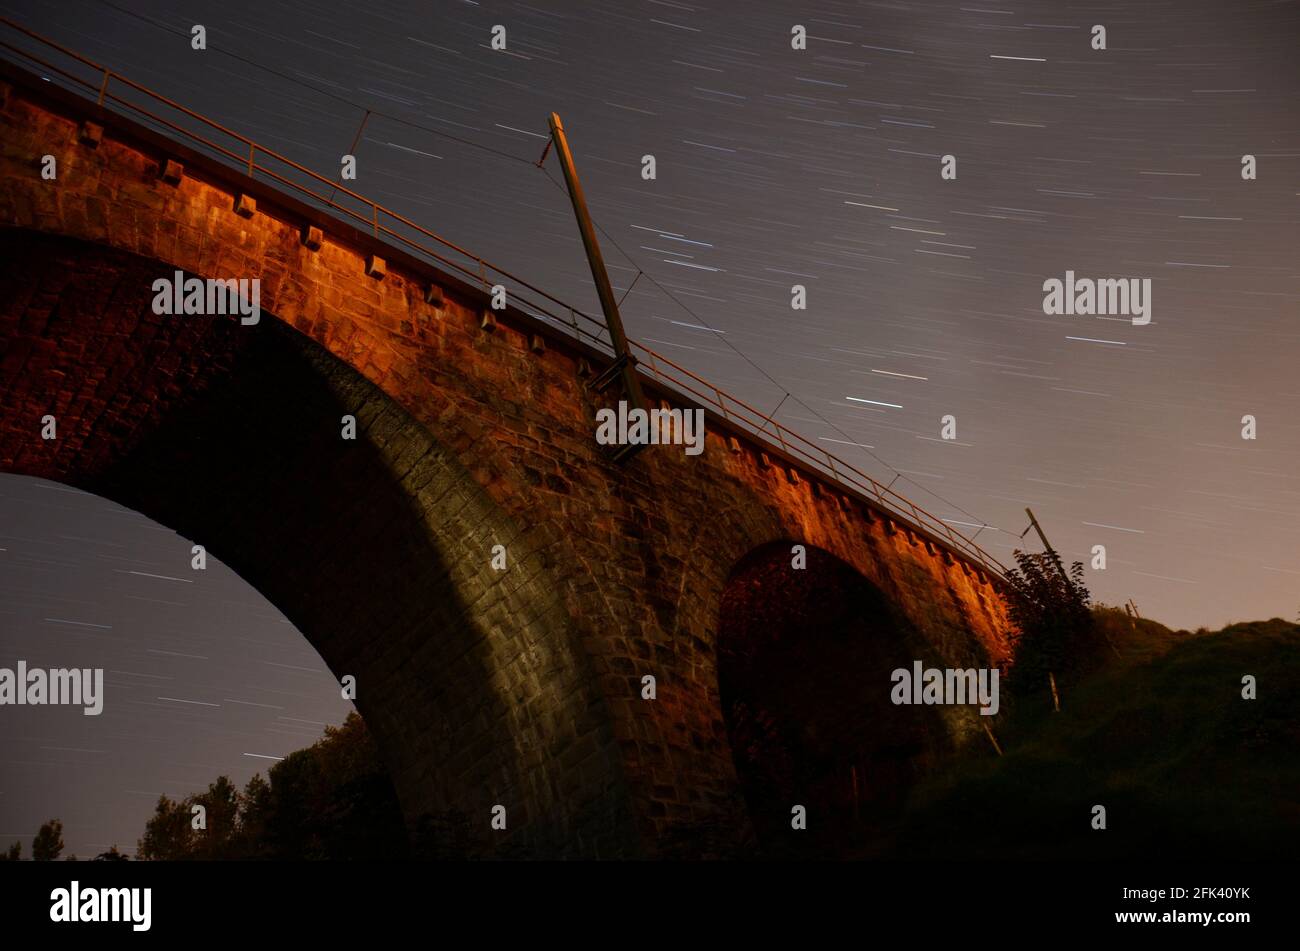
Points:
(774, 167)
(201, 675)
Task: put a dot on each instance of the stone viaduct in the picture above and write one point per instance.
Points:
(521, 687)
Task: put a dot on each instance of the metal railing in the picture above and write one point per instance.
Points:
(245, 155)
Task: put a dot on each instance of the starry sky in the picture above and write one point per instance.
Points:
(202, 676)
(774, 167)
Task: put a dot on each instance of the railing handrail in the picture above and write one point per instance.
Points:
(819, 456)
(826, 464)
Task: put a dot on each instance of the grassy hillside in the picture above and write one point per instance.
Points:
(1160, 736)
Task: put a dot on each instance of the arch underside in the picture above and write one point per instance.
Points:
(805, 657)
(377, 549)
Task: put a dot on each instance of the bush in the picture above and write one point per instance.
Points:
(1054, 628)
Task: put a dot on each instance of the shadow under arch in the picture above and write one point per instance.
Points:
(378, 549)
(804, 663)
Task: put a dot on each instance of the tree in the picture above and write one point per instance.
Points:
(333, 800)
(48, 844)
(14, 854)
(1055, 635)
(221, 804)
(256, 804)
(112, 855)
(167, 833)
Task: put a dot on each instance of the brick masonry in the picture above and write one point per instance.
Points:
(519, 687)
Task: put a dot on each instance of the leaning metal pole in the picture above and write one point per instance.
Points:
(624, 364)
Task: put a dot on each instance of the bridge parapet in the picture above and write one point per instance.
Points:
(301, 195)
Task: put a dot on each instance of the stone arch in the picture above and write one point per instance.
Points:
(804, 663)
(473, 681)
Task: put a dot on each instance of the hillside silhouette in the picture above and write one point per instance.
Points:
(1160, 735)
(1156, 730)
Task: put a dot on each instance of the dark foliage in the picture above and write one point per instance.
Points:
(48, 844)
(333, 800)
(1054, 627)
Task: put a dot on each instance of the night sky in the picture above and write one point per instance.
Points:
(774, 167)
(202, 676)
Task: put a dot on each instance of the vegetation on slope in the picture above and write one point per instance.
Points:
(1160, 735)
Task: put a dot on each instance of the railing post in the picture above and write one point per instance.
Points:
(948, 528)
(890, 501)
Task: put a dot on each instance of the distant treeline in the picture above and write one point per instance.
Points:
(332, 800)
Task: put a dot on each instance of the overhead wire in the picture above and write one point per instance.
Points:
(786, 393)
(640, 271)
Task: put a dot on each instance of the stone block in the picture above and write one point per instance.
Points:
(172, 172)
(90, 134)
